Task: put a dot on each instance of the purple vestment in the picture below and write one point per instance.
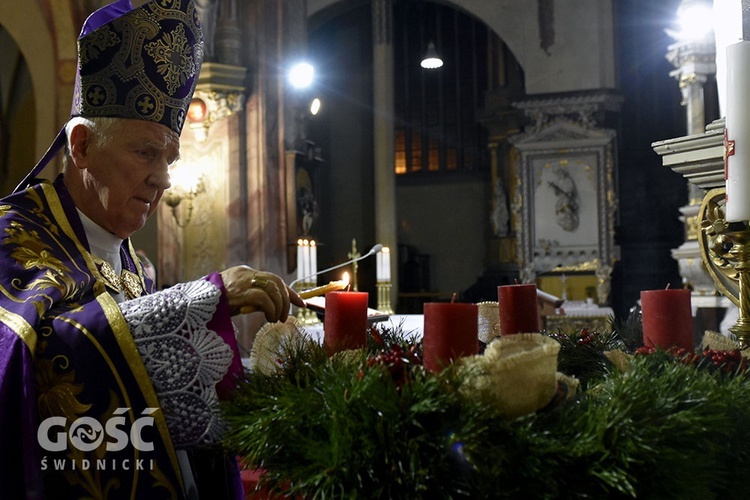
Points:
(66, 352)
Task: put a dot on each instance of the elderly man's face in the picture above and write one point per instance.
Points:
(123, 180)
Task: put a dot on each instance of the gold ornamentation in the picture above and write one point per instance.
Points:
(97, 42)
(715, 246)
(257, 282)
(725, 250)
(692, 227)
(30, 252)
(128, 282)
(109, 275)
(588, 266)
(131, 284)
(58, 392)
(174, 57)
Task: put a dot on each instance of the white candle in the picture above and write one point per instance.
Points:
(737, 142)
(727, 24)
(386, 252)
(306, 257)
(313, 261)
(379, 267)
(300, 261)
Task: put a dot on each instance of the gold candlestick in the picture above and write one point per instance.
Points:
(384, 297)
(741, 252)
(306, 316)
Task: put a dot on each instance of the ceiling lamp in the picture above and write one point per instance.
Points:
(301, 75)
(315, 106)
(431, 59)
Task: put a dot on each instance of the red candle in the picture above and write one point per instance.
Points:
(518, 309)
(667, 318)
(345, 321)
(450, 331)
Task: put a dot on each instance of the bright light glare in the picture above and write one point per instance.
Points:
(301, 75)
(432, 63)
(315, 106)
(695, 21)
(185, 177)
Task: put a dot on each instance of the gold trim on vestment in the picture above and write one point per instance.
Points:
(62, 220)
(130, 352)
(138, 264)
(119, 328)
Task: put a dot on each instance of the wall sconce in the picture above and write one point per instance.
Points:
(187, 184)
(208, 107)
(197, 110)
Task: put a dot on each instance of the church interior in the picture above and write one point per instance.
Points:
(539, 152)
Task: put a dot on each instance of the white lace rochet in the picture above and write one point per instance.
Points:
(184, 359)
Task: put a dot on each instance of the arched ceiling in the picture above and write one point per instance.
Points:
(573, 51)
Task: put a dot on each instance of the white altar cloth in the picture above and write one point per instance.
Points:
(411, 324)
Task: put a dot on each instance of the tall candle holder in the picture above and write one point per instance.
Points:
(725, 251)
(384, 297)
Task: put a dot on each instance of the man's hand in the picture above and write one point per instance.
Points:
(249, 290)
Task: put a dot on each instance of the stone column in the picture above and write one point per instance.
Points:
(694, 61)
(384, 148)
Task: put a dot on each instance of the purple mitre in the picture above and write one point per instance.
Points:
(139, 63)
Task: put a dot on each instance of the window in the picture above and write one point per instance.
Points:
(437, 129)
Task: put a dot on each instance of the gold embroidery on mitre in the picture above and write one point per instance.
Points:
(173, 56)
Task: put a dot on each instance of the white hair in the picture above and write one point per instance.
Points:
(101, 126)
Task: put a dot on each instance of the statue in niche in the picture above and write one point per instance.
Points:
(500, 213)
(208, 13)
(307, 205)
(566, 207)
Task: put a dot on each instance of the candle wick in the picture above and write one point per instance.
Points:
(667, 288)
(453, 299)
(516, 280)
(349, 287)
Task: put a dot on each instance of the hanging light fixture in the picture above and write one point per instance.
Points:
(431, 59)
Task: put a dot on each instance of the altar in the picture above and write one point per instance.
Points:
(412, 325)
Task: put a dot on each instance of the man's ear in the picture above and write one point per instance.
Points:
(81, 139)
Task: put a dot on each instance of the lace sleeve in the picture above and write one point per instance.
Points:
(183, 357)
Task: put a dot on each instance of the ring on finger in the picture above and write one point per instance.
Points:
(257, 282)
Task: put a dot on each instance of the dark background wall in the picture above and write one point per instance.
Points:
(647, 225)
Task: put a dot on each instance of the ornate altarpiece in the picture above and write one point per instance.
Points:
(565, 201)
